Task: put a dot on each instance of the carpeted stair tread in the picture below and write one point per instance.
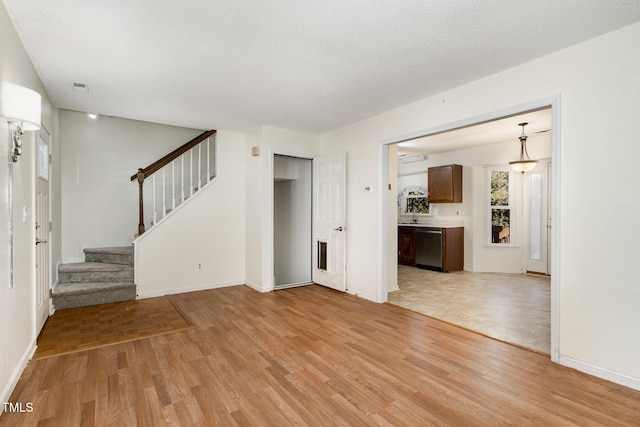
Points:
(111, 255)
(92, 266)
(89, 287)
(69, 295)
(94, 272)
(114, 250)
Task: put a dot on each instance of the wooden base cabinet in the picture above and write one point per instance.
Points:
(453, 249)
(407, 246)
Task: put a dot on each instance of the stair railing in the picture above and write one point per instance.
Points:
(179, 179)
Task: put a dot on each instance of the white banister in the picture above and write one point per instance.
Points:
(208, 157)
(164, 193)
(155, 209)
(173, 185)
(199, 166)
(191, 173)
(182, 179)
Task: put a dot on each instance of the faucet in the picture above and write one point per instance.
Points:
(414, 217)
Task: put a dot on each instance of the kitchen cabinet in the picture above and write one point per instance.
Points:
(435, 248)
(453, 249)
(407, 246)
(445, 184)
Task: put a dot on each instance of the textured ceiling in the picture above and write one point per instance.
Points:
(308, 65)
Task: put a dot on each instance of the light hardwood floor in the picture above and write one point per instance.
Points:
(313, 356)
(514, 308)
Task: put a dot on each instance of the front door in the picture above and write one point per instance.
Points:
(43, 270)
(329, 221)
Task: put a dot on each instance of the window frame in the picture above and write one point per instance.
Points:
(511, 207)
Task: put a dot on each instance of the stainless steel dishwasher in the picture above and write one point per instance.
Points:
(429, 248)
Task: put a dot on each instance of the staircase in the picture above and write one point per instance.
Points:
(174, 178)
(105, 276)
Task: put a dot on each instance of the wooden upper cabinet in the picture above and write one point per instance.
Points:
(445, 184)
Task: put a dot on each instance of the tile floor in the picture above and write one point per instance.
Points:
(508, 307)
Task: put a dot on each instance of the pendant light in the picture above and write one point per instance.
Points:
(523, 164)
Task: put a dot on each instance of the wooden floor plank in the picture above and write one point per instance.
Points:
(310, 356)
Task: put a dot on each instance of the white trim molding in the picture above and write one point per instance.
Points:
(204, 287)
(17, 372)
(599, 372)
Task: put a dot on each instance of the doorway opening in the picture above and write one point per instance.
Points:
(292, 189)
(478, 253)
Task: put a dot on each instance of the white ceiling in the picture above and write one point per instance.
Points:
(493, 132)
(299, 64)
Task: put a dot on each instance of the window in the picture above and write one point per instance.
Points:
(412, 195)
(536, 226)
(500, 207)
(417, 204)
(43, 159)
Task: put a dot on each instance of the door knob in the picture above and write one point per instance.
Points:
(338, 229)
(38, 241)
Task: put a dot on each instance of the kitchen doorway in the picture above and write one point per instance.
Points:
(525, 235)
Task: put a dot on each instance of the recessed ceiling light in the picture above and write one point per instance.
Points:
(81, 87)
(92, 116)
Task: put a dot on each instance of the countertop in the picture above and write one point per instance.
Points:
(433, 225)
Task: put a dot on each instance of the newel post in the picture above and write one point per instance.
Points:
(140, 176)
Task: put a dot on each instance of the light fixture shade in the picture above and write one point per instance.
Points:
(523, 165)
(20, 104)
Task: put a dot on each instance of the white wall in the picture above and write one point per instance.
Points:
(99, 201)
(257, 204)
(360, 141)
(17, 315)
(202, 244)
(259, 221)
(599, 86)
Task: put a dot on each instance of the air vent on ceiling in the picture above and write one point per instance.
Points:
(81, 87)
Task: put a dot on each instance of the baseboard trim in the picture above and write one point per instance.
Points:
(144, 295)
(359, 294)
(393, 288)
(599, 372)
(256, 287)
(17, 373)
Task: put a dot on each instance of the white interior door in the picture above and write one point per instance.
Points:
(537, 218)
(329, 221)
(43, 270)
